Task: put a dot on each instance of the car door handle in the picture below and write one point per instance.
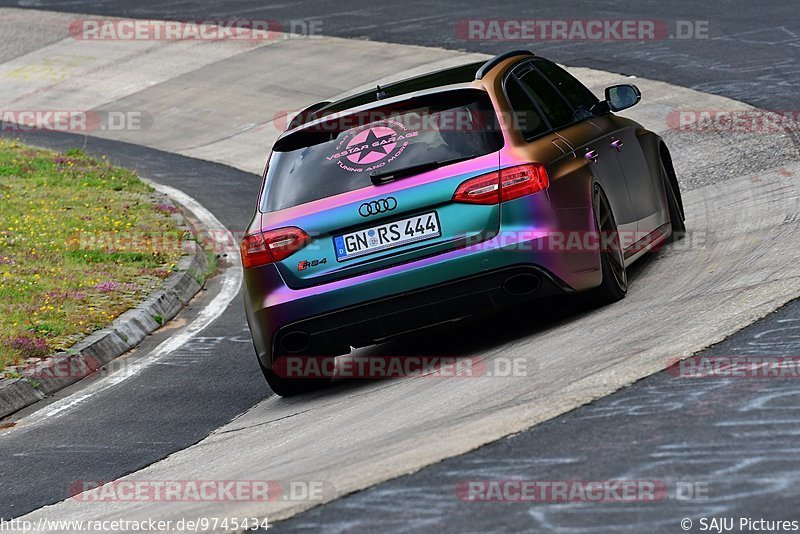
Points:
(591, 154)
(617, 143)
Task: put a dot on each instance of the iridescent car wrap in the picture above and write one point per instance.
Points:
(554, 193)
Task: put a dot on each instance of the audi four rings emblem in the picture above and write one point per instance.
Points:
(377, 206)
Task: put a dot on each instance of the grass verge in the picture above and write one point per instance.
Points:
(81, 241)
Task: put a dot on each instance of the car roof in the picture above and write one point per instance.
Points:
(457, 77)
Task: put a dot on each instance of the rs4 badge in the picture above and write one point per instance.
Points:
(305, 264)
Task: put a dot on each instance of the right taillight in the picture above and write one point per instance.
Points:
(507, 184)
(271, 246)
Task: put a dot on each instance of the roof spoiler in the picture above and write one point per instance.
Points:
(492, 63)
(302, 117)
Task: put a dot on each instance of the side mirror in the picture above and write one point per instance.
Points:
(623, 96)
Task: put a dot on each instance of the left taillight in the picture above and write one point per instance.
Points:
(271, 246)
(507, 184)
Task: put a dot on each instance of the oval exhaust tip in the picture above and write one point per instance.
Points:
(295, 342)
(519, 285)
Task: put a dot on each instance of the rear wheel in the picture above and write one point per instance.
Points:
(615, 279)
(676, 215)
(291, 386)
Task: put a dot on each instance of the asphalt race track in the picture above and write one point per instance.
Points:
(205, 411)
(751, 54)
(166, 410)
(737, 442)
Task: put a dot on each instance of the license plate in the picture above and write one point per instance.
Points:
(386, 236)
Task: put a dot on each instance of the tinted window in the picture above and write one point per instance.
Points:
(579, 97)
(335, 157)
(554, 107)
(527, 118)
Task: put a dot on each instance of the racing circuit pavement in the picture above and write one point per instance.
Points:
(418, 421)
(752, 53)
(729, 444)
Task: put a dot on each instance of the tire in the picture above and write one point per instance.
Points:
(614, 286)
(676, 215)
(290, 387)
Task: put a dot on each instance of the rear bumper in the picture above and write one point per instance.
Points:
(380, 304)
(371, 322)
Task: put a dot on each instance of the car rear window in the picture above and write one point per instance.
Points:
(337, 156)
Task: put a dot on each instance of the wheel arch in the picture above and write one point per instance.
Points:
(666, 159)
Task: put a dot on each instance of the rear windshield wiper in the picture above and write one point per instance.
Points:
(384, 177)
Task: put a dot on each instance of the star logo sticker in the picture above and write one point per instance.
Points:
(374, 151)
(371, 140)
